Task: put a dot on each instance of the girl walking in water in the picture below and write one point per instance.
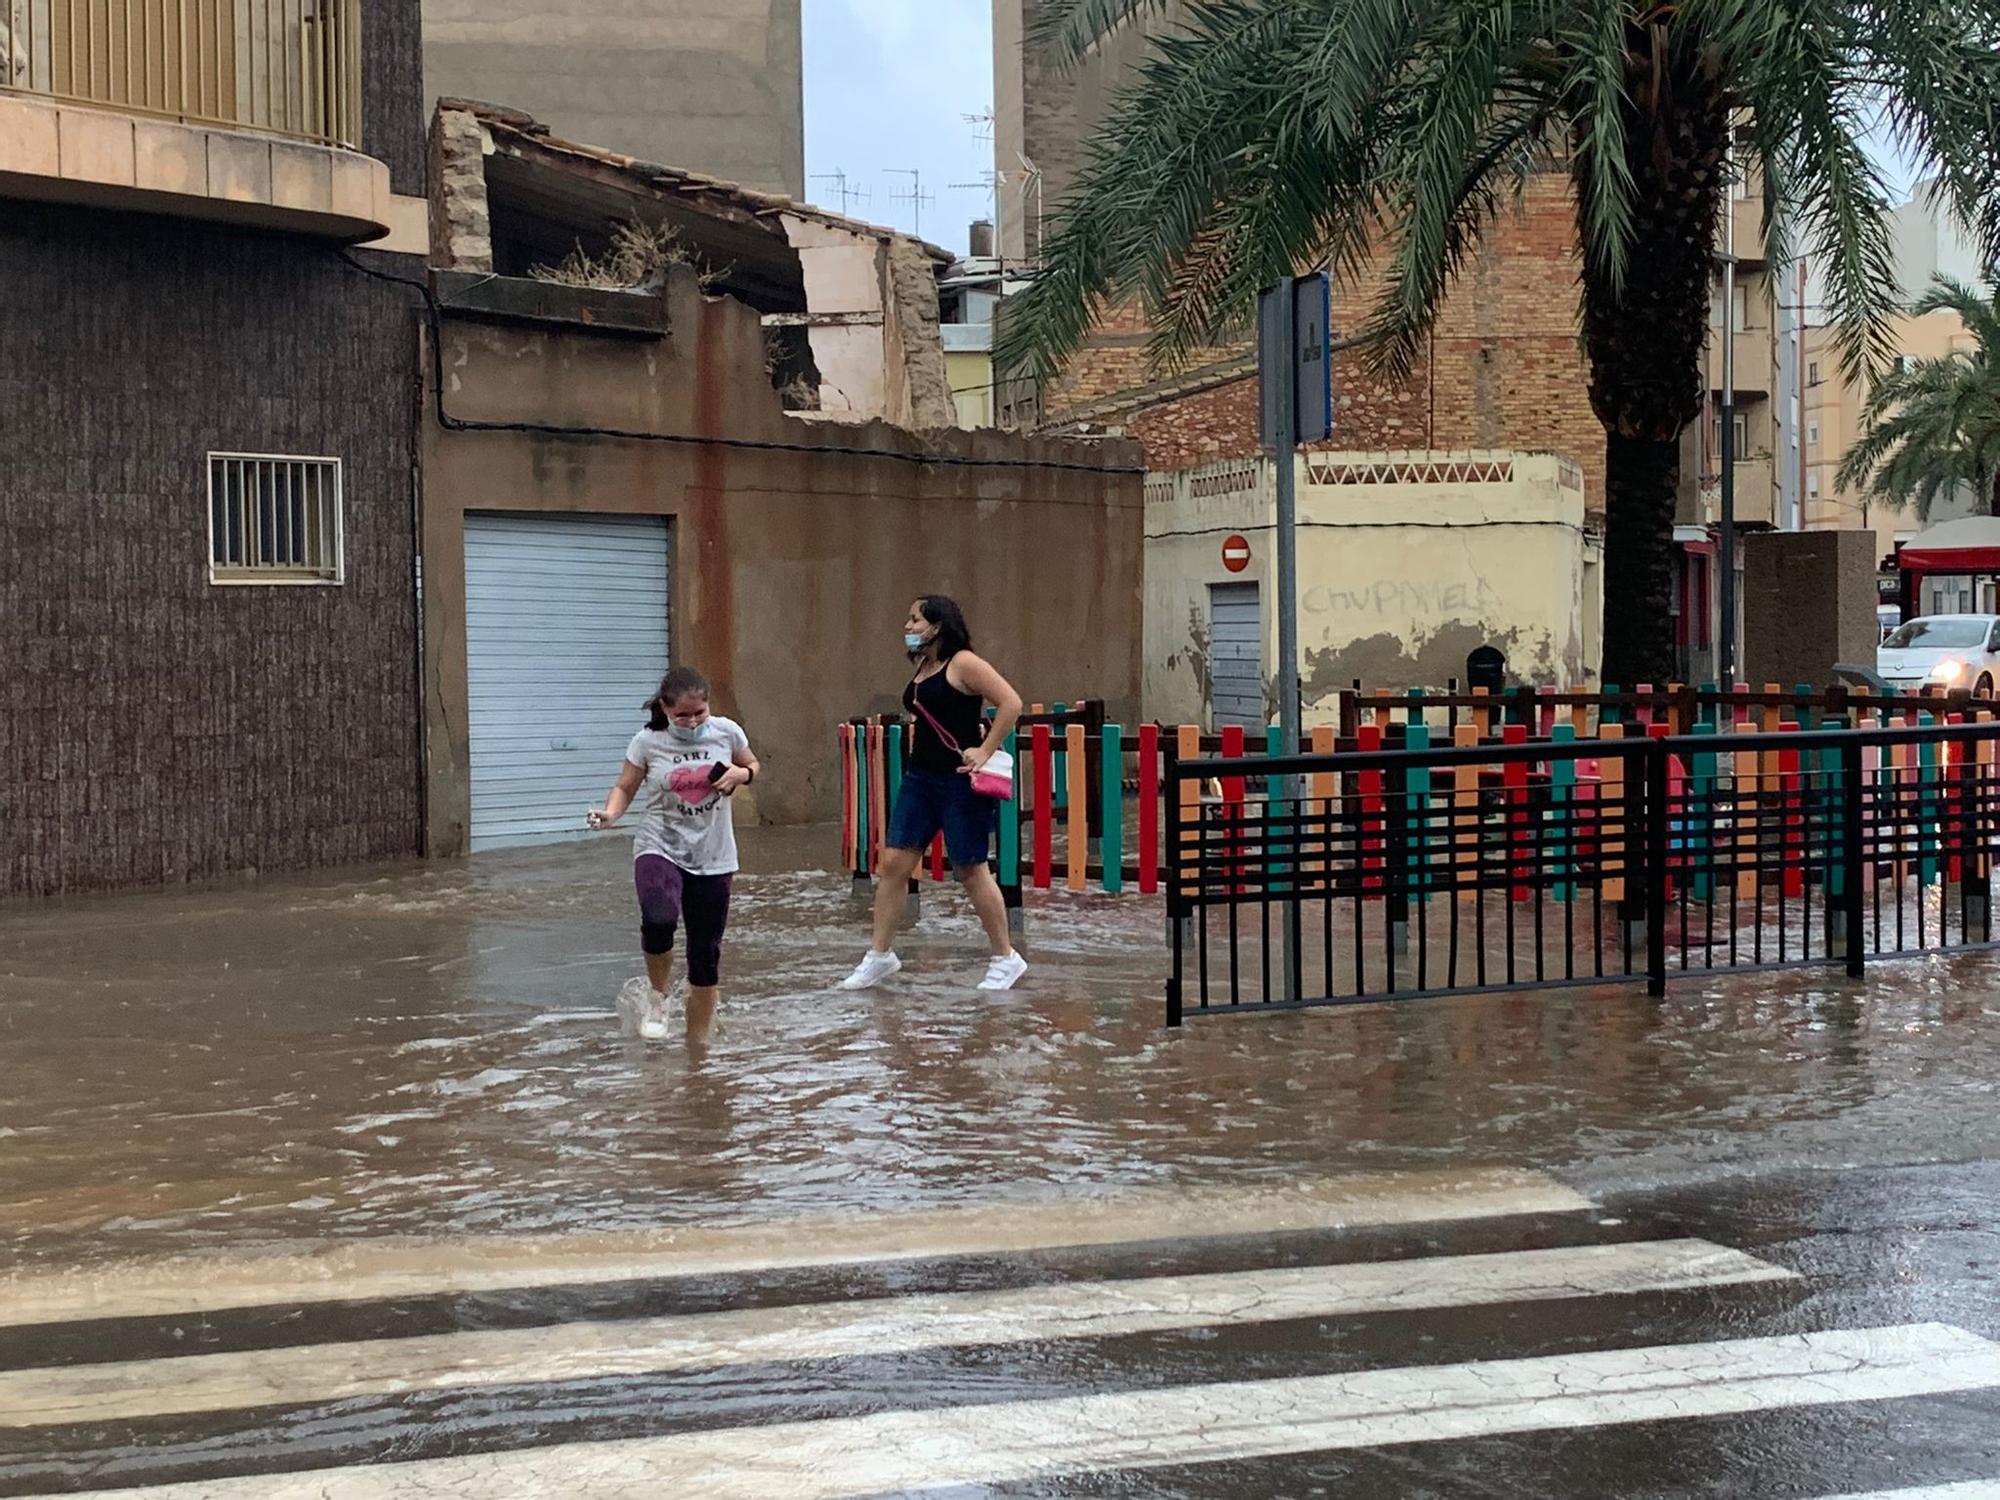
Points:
(948, 697)
(686, 762)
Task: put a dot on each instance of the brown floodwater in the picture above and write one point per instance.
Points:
(437, 1048)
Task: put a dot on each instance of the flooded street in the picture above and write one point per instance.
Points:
(302, 1176)
(436, 1049)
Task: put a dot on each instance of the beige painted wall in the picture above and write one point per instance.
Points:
(971, 377)
(1406, 562)
(1835, 404)
(792, 569)
(715, 86)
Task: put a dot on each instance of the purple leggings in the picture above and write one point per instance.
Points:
(667, 893)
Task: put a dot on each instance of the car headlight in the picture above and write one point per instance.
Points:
(1947, 671)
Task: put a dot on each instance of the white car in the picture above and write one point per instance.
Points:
(1953, 652)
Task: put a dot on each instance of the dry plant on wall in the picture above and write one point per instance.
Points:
(636, 261)
(781, 366)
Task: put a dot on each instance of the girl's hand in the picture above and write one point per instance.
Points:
(598, 818)
(731, 779)
(974, 758)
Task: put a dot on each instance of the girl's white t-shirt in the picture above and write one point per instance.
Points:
(685, 819)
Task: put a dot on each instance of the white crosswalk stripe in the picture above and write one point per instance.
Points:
(218, 1382)
(356, 1272)
(893, 1451)
(1037, 1373)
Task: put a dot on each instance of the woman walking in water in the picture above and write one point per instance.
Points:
(948, 697)
(688, 762)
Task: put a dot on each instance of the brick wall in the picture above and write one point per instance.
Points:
(1503, 368)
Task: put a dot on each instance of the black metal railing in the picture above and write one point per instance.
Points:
(1362, 876)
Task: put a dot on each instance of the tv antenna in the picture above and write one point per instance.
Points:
(846, 193)
(916, 197)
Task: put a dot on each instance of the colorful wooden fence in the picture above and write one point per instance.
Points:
(1681, 707)
(1088, 810)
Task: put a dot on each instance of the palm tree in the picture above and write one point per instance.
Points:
(1932, 426)
(1267, 135)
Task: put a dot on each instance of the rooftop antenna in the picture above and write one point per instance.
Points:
(916, 197)
(847, 194)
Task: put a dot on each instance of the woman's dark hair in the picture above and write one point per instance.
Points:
(952, 634)
(676, 685)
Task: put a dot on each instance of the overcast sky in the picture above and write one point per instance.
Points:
(888, 83)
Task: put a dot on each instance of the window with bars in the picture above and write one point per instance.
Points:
(273, 519)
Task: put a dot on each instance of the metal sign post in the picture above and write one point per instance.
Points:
(1295, 390)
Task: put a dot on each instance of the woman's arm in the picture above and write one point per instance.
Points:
(743, 770)
(974, 674)
(630, 779)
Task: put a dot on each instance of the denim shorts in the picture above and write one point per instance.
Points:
(934, 802)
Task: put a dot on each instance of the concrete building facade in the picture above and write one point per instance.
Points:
(1406, 563)
(715, 86)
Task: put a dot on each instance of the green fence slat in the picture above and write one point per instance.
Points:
(1059, 770)
(1700, 814)
(1010, 822)
(1416, 803)
(1113, 841)
(892, 787)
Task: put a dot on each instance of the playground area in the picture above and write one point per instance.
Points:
(1429, 843)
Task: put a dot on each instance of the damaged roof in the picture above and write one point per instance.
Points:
(547, 193)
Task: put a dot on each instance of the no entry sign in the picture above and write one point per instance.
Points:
(1235, 553)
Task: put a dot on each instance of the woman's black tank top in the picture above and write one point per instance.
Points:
(963, 716)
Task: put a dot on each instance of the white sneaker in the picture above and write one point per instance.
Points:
(872, 970)
(1002, 973)
(653, 1019)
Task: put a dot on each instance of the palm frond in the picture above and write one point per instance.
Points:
(1805, 90)
(1187, 147)
(1068, 30)
(1593, 38)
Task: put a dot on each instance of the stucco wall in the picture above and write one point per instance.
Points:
(792, 567)
(1406, 562)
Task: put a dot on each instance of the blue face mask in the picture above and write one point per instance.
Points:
(914, 642)
(687, 732)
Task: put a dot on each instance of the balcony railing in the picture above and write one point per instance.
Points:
(292, 67)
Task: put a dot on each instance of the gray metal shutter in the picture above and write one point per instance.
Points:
(565, 636)
(1235, 656)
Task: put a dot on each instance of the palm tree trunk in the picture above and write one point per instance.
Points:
(1645, 339)
(1641, 478)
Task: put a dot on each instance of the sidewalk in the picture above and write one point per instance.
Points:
(431, 1049)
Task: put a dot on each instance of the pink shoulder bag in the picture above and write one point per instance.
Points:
(994, 779)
